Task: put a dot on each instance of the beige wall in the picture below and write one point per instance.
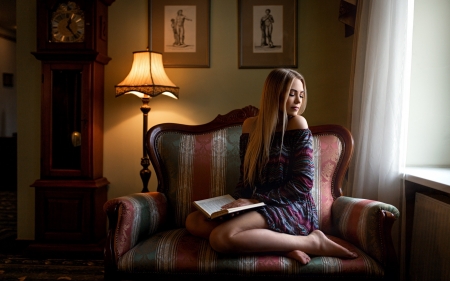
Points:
(324, 57)
(28, 117)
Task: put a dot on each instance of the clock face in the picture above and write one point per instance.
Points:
(68, 24)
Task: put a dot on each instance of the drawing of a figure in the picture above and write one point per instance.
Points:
(179, 26)
(175, 33)
(266, 29)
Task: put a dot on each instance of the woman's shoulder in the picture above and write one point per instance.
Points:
(297, 122)
(248, 125)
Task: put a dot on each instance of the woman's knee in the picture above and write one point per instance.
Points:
(193, 223)
(190, 222)
(197, 225)
(220, 241)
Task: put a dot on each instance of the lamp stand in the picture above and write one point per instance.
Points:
(145, 161)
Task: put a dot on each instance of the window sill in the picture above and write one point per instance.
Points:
(434, 177)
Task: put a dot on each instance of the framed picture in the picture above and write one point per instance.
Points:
(179, 29)
(267, 33)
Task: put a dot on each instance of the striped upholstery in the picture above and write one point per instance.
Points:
(139, 215)
(327, 150)
(176, 251)
(198, 166)
(358, 222)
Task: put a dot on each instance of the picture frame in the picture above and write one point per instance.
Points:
(179, 30)
(267, 33)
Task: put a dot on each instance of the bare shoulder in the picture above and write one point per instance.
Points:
(248, 125)
(297, 122)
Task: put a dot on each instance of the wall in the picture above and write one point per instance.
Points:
(8, 107)
(324, 59)
(429, 132)
(28, 116)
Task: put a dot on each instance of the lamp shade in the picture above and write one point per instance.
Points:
(147, 77)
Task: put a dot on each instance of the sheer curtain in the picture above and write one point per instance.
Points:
(380, 100)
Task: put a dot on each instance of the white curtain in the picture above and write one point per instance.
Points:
(380, 99)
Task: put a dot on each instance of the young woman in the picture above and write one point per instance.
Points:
(277, 169)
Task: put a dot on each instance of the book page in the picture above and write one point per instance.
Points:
(215, 204)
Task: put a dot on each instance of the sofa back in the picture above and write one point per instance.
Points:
(198, 162)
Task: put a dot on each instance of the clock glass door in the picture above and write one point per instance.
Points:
(66, 119)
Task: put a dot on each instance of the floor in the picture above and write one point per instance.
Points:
(8, 215)
(19, 262)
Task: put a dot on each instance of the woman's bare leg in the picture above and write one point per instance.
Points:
(198, 225)
(248, 233)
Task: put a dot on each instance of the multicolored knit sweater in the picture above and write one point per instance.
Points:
(286, 182)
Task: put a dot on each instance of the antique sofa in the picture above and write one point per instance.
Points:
(147, 239)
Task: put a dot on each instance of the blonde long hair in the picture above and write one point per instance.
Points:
(276, 90)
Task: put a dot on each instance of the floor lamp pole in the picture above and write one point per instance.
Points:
(145, 161)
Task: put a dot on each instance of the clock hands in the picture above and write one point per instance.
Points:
(69, 28)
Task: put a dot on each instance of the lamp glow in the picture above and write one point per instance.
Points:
(147, 77)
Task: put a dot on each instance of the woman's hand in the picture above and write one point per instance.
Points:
(240, 202)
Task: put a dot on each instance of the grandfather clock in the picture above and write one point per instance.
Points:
(71, 191)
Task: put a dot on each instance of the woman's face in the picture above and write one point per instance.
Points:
(295, 98)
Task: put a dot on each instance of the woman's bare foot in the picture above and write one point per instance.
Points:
(323, 246)
(298, 255)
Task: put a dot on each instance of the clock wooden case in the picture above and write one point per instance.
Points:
(71, 191)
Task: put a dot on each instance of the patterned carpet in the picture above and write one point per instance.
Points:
(27, 269)
(17, 265)
(8, 214)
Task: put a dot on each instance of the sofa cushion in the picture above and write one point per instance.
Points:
(176, 251)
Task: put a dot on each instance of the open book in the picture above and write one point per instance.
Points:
(211, 207)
